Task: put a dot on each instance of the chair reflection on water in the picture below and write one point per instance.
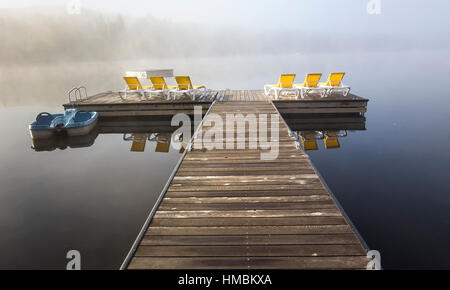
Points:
(139, 142)
(163, 141)
(308, 139)
(331, 140)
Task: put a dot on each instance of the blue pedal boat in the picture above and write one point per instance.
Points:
(72, 122)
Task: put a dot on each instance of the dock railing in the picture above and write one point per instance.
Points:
(75, 94)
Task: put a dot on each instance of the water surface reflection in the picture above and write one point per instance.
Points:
(89, 193)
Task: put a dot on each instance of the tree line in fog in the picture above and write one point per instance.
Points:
(29, 36)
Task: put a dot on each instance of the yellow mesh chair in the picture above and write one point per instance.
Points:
(311, 84)
(159, 85)
(184, 85)
(334, 84)
(163, 143)
(138, 144)
(133, 86)
(285, 83)
(331, 140)
(308, 140)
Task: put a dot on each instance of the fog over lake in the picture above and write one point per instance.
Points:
(45, 52)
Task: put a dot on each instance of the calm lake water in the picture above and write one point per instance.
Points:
(391, 179)
(91, 198)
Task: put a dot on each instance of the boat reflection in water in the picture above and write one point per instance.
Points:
(64, 141)
(138, 133)
(326, 128)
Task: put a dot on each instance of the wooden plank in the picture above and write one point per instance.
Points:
(246, 200)
(248, 206)
(146, 113)
(280, 221)
(247, 193)
(247, 178)
(245, 181)
(223, 157)
(250, 240)
(241, 171)
(246, 145)
(247, 163)
(245, 187)
(254, 251)
(250, 230)
(350, 262)
(250, 178)
(247, 213)
(146, 106)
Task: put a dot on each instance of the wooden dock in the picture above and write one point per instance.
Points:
(228, 209)
(109, 104)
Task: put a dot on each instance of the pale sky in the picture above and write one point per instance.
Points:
(405, 17)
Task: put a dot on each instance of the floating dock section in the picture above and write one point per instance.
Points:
(109, 104)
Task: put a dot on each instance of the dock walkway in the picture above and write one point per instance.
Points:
(228, 209)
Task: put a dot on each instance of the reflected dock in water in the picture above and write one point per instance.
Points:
(329, 128)
(138, 133)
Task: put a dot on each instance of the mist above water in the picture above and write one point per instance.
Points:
(45, 53)
(51, 35)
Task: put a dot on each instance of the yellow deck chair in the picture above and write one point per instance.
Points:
(133, 86)
(159, 85)
(334, 83)
(331, 140)
(285, 83)
(308, 141)
(184, 85)
(163, 143)
(138, 144)
(311, 84)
